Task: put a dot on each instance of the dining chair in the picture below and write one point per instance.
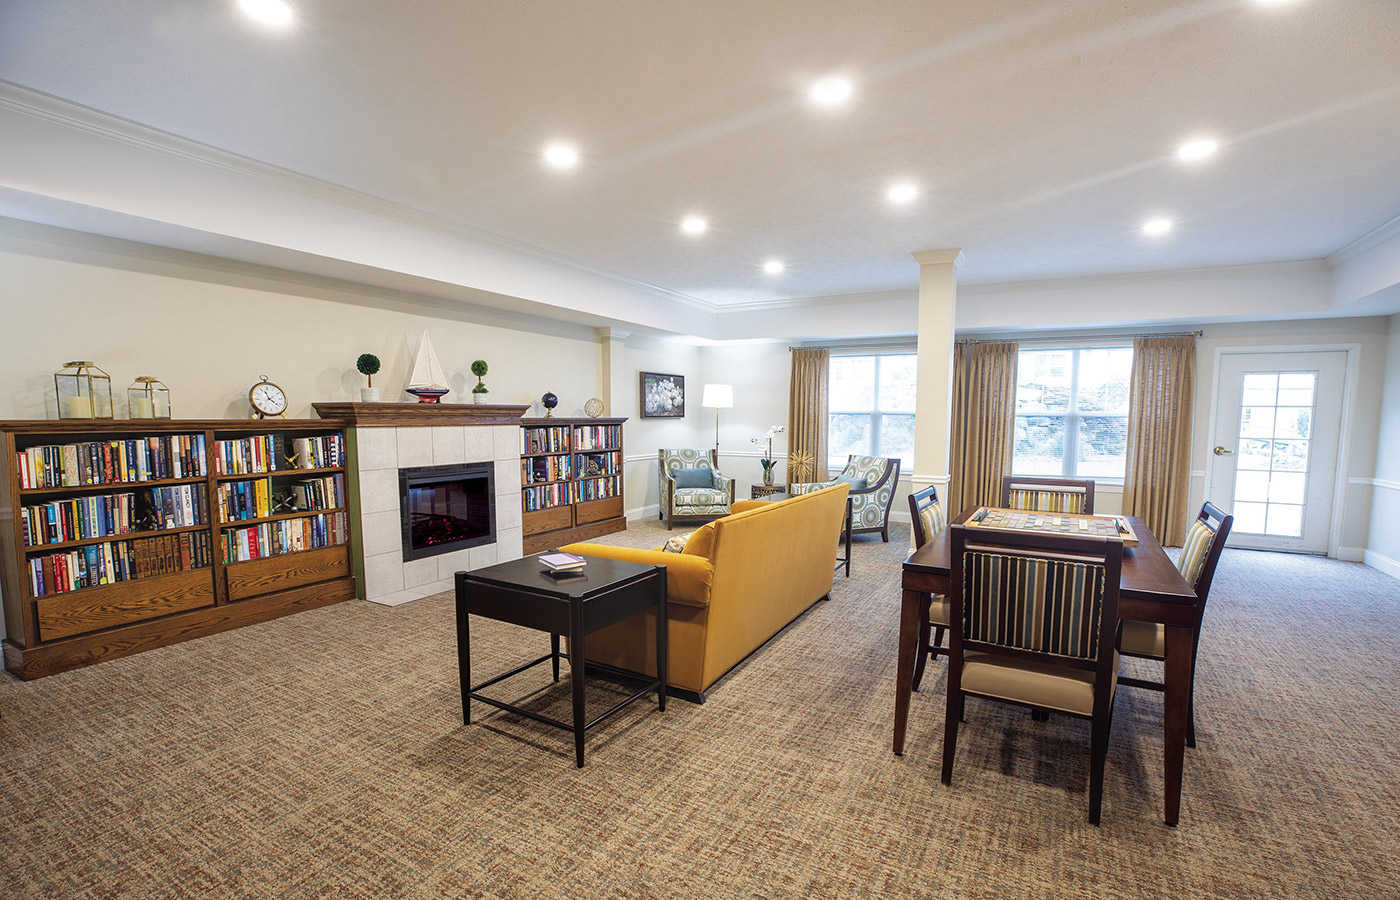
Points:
(1034, 618)
(1201, 550)
(1053, 495)
(927, 519)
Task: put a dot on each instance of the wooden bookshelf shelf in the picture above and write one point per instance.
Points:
(115, 487)
(129, 536)
(555, 512)
(52, 630)
(282, 473)
(296, 514)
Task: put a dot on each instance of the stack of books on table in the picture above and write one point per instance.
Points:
(563, 562)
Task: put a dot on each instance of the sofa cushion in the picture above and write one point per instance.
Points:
(693, 478)
(702, 541)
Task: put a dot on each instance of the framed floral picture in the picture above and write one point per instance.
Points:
(663, 396)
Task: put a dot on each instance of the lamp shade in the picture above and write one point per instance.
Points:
(720, 396)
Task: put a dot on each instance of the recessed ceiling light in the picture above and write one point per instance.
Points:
(694, 225)
(903, 193)
(561, 156)
(1196, 149)
(270, 12)
(1157, 226)
(773, 267)
(831, 91)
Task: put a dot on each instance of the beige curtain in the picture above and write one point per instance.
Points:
(1159, 435)
(984, 420)
(807, 408)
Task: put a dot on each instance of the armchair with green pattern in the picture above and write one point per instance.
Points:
(691, 485)
(872, 480)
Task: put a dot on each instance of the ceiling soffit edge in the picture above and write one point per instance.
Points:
(1251, 270)
(82, 118)
(1367, 241)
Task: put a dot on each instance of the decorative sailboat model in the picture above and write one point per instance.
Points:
(428, 383)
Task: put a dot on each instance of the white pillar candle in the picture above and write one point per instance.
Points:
(80, 407)
(143, 408)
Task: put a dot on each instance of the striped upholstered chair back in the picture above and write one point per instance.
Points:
(1053, 598)
(926, 515)
(1052, 495)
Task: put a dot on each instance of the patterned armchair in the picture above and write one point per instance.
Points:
(870, 504)
(691, 485)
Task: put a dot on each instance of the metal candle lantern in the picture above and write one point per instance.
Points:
(148, 398)
(84, 391)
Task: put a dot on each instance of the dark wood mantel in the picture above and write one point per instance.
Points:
(399, 415)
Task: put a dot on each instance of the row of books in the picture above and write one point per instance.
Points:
(539, 469)
(551, 439)
(107, 515)
(264, 453)
(117, 561)
(607, 463)
(597, 437)
(284, 536)
(319, 493)
(111, 462)
(243, 500)
(545, 496)
(598, 489)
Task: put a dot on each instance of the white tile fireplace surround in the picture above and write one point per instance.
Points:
(378, 451)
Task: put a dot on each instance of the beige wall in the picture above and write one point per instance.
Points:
(210, 335)
(1383, 545)
(643, 437)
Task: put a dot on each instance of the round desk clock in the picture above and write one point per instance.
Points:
(268, 399)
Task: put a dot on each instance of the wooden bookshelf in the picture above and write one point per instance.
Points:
(570, 480)
(185, 580)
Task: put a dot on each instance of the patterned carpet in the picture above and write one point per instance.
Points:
(322, 755)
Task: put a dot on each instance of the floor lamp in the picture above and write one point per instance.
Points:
(718, 396)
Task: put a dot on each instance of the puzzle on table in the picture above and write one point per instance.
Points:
(1054, 523)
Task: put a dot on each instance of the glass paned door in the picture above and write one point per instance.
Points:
(1271, 474)
(1274, 457)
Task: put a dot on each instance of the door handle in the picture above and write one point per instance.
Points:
(1221, 451)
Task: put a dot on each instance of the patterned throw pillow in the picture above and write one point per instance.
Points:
(933, 520)
(677, 543)
(1194, 551)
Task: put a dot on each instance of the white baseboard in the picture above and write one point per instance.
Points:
(643, 512)
(1351, 554)
(1382, 564)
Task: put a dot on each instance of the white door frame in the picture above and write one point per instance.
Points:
(1343, 469)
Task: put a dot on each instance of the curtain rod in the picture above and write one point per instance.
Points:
(1093, 337)
(1086, 337)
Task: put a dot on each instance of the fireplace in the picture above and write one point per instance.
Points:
(446, 508)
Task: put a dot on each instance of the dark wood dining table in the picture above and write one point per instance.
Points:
(1152, 590)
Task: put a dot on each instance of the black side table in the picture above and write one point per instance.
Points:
(524, 593)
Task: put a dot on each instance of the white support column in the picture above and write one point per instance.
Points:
(617, 388)
(938, 300)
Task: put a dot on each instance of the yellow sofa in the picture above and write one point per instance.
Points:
(740, 580)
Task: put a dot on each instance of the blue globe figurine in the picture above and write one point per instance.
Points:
(549, 401)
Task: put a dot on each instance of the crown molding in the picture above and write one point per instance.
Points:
(910, 295)
(1367, 241)
(1252, 270)
(65, 113)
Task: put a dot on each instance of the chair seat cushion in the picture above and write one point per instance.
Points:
(705, 496)
(940, 611)
(693, 478)
(1038, 684)
(1143, 639)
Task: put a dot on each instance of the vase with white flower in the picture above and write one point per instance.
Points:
(768, 462)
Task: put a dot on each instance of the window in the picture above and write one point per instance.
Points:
(871, 408)
(1072, 412)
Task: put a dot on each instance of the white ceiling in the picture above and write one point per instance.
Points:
(1041, 132)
